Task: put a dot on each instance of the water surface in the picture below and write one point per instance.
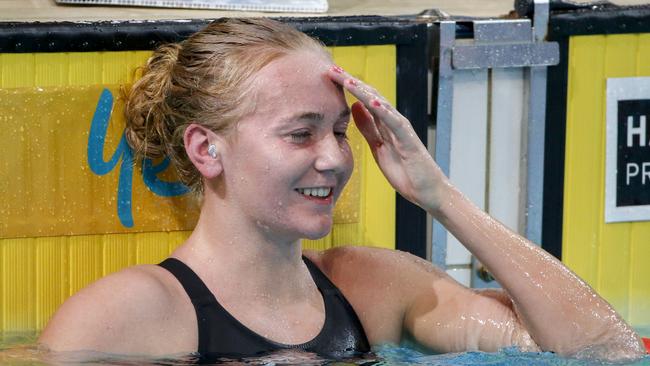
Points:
(20, 349)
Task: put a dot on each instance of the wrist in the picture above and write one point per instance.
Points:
(442, 200)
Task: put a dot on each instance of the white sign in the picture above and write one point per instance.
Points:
(627, 173)
(292, 6)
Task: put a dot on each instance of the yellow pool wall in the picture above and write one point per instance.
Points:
(60, 230)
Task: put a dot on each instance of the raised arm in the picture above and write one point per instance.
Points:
(558, 309)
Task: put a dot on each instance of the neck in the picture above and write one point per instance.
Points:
(225, 244)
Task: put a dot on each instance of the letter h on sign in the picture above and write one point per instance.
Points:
(633, 165)
(639, 131)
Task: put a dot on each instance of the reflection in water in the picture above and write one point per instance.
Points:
(20, 349)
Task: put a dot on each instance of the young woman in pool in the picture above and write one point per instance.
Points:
(253, 116)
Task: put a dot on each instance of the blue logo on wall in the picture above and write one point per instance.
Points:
(123, 153)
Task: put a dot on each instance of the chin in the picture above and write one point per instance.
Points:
(316, 233)
(316, 236)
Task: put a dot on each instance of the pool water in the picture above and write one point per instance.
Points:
(20, 349)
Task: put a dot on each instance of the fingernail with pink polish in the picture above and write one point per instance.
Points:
(337, 69)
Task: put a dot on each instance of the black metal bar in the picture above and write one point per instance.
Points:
(608, 20)
(128, 35)
(412, 66)
(555, 140)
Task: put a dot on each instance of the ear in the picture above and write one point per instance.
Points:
(197, 139)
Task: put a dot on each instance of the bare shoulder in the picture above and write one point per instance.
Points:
(380, 284)
(378, 263)
(122, 313)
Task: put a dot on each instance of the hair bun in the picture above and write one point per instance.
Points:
(147, 111)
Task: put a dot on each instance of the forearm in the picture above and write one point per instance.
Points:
(561, 312)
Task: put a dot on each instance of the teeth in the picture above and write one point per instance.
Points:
(315, 192)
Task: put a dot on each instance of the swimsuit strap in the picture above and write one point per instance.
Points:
(205, 304)
(198, 292)
(323, 283)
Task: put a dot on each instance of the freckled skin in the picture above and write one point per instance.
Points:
(246, 245)
(274, 163)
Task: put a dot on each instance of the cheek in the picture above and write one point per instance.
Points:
(259, 157)
(346, 150)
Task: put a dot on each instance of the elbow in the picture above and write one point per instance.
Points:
(616, 343)
(621, 345)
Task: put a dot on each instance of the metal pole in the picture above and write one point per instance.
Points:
(443, 128)
(536, 130)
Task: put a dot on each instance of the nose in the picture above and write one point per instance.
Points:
(333, 155)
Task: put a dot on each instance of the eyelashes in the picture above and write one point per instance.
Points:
(302, 137)
(341, 135)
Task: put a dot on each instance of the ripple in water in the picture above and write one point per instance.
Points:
(20, 349)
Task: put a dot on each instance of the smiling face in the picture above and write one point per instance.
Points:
(289, 159)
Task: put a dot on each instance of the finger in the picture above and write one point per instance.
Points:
(376, 104)
(387, 116)
(337, 74)
(341, 77)
(386, 134)
(366, 124)
(361, 91)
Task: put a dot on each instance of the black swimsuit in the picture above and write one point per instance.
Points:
(221, 335)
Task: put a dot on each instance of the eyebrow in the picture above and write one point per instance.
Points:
(314, 117)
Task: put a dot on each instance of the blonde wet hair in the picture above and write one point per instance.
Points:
(203, 80)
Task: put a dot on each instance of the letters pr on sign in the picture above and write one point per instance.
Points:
(627, 176)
